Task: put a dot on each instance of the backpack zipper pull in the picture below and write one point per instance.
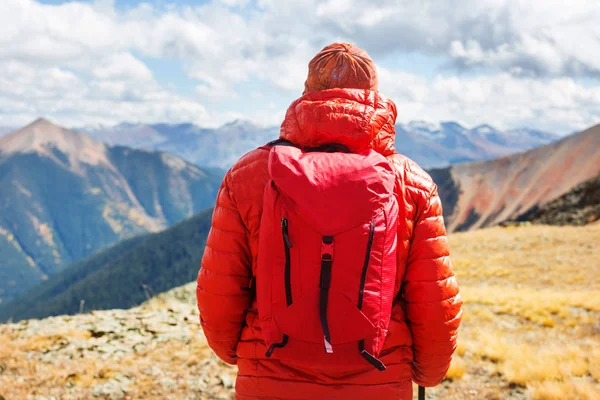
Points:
(284, 229)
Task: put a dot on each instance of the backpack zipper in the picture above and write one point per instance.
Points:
(287, 245)
(374, 361)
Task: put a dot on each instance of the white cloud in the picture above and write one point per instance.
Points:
(27, 92)
(536, 37)
(233, 3)
(121, 66)
(557, 105)
(85, 62)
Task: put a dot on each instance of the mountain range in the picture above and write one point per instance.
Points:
(66, 196)
(525, 186)
(448, 143)
(219, 148)
(430, 145)
(475, 195)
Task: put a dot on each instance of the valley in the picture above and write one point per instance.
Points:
(121, 276)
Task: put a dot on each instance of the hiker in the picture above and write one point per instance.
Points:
(326, 273)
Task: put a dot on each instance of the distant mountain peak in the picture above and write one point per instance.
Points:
(485, 129)
(128, 125)
(424, 125)
(41, 121)
(240, 124)
(452, 125)
(45, 138)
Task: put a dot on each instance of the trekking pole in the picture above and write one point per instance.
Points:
(421, 393)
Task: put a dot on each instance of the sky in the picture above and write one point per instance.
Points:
(508, 63)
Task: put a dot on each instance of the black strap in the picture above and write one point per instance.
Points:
(328, 148)
(277, 346)
(325, 284)
(324, 148)
(288, 282)
(421, 393)
(281, 142)
(374, 361)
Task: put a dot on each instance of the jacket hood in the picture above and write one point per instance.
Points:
(357, 118)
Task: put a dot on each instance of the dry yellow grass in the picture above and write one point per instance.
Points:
(458, 368)
(532, 310)
(571, 390)
(533, 256)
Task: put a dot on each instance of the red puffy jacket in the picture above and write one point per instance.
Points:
(427, 310)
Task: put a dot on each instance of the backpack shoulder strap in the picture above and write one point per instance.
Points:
(281, 142)
(324, 148)
(277, 142)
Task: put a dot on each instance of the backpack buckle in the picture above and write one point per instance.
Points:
(327, 248)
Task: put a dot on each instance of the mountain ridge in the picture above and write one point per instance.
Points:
(66, 195)
(429, 144)
(42, 137)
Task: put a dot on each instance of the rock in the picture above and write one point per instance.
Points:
(105, 327)
(112, 389)
(227, 380)
(167, 383)
(197, 384)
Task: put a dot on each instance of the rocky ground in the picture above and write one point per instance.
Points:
(154, 351)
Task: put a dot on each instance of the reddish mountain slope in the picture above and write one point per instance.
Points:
(481, 194)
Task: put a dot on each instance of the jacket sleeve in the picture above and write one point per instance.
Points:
(430, 293)
(224, 279)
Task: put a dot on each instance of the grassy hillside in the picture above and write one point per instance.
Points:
(530, 331)
(121, 276)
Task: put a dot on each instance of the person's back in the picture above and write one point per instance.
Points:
(340, 105)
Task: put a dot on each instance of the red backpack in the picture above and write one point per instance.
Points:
(327, 256)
